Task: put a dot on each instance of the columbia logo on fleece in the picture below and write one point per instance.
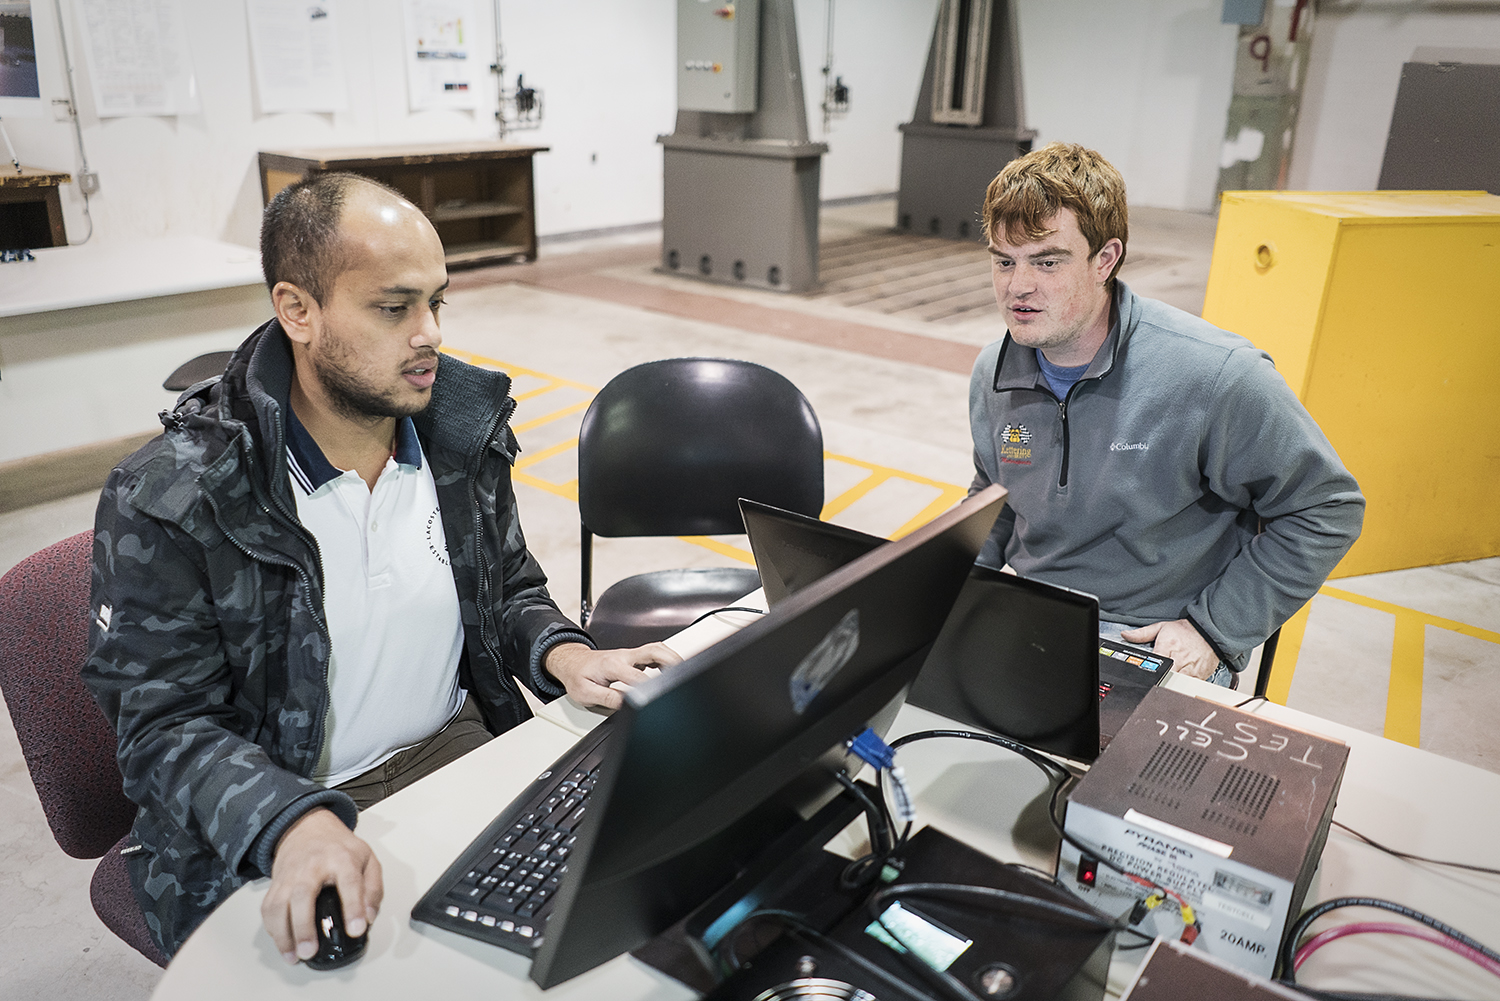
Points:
(1121, 446)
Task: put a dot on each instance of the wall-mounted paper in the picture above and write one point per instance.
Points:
(295, 50)
(442, 62)
(137, 56)
(20, 94)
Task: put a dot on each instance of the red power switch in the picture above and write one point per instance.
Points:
(1088, 870)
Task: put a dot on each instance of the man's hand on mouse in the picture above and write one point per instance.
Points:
(318, 851)
(587, 674)
(1180, 640)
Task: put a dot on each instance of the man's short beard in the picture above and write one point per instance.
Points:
(355, 401)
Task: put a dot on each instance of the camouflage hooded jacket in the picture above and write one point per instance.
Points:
(208, 647)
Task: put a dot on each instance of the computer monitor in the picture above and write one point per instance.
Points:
(730, 749)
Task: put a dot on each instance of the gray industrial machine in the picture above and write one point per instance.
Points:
(740, 176)
(969, 121)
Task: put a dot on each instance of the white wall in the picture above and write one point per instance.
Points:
(880, 49)
(606, 67)
(1145, 82)
(1354, 71)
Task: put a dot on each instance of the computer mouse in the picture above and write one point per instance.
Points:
(336, 947)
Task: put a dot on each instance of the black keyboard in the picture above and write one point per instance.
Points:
(500, 889)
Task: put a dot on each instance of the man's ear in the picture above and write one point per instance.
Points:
(296, 309)
(1108, 256)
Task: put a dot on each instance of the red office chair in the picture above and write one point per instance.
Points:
(68, 744)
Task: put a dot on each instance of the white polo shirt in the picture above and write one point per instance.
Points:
(389, 599)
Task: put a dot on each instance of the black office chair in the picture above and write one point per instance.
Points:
(194, 371)
(1267, 656)
(669, 448)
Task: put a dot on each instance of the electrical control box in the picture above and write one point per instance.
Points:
(1227, 811)
(718, 55)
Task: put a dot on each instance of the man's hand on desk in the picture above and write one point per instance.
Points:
(1179, 640)
(318, 851)
(587, 674)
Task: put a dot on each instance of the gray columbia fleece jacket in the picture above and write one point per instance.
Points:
(1150, 483)
(209, 651)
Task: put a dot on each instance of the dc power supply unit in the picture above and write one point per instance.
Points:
(1225, 811)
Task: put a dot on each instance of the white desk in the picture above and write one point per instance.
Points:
(1399, 795)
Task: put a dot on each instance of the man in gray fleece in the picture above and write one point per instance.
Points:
(1152, 459)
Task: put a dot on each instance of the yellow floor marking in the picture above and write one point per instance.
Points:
(532, 458)
(1287, 649)
(537, 422)
(567, 491)
(854, 493)
(722, 548)
(1427, 618)
(1403, 704)
(1403, 700)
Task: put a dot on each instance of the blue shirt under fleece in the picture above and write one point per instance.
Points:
(1060, 379)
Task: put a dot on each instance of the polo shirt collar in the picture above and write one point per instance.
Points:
(314, 465)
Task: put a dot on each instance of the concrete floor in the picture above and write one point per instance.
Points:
(890, 389)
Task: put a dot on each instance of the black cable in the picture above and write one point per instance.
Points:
(726, 608)
(1056, 773)
(1253, 698)
(1289, 944)
(881, 837)
(1415, 858)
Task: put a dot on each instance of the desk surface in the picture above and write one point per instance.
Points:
(1399, 795)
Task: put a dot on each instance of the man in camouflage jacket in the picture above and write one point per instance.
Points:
(209, 648)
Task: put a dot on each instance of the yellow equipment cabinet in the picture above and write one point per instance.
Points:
(1382, 311)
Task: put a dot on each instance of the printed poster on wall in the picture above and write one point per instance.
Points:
(443, 65)
(295, 52)
(138, 59)
(20, 91)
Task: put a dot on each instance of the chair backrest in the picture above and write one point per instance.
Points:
(669, 447)
(68, 743)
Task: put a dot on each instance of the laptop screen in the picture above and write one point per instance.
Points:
(1016, 657)
(1019, 658)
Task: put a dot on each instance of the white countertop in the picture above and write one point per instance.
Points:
(122, 270)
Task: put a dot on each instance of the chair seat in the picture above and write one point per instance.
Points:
(192, 372)
(650, 607)
(114, 901)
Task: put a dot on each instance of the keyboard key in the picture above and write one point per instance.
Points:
(527, 909)
(507, 926)
(525, 931)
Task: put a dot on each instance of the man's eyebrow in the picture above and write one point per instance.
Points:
(406, 291)
(1044, 252)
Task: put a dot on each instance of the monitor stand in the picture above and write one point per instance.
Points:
(793, 873)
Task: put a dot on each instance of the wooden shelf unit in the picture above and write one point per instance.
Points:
(479, 195)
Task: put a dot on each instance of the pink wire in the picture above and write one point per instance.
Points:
(1414, 931)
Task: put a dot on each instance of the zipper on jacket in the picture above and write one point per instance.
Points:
(482, 602)
(315, 607)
